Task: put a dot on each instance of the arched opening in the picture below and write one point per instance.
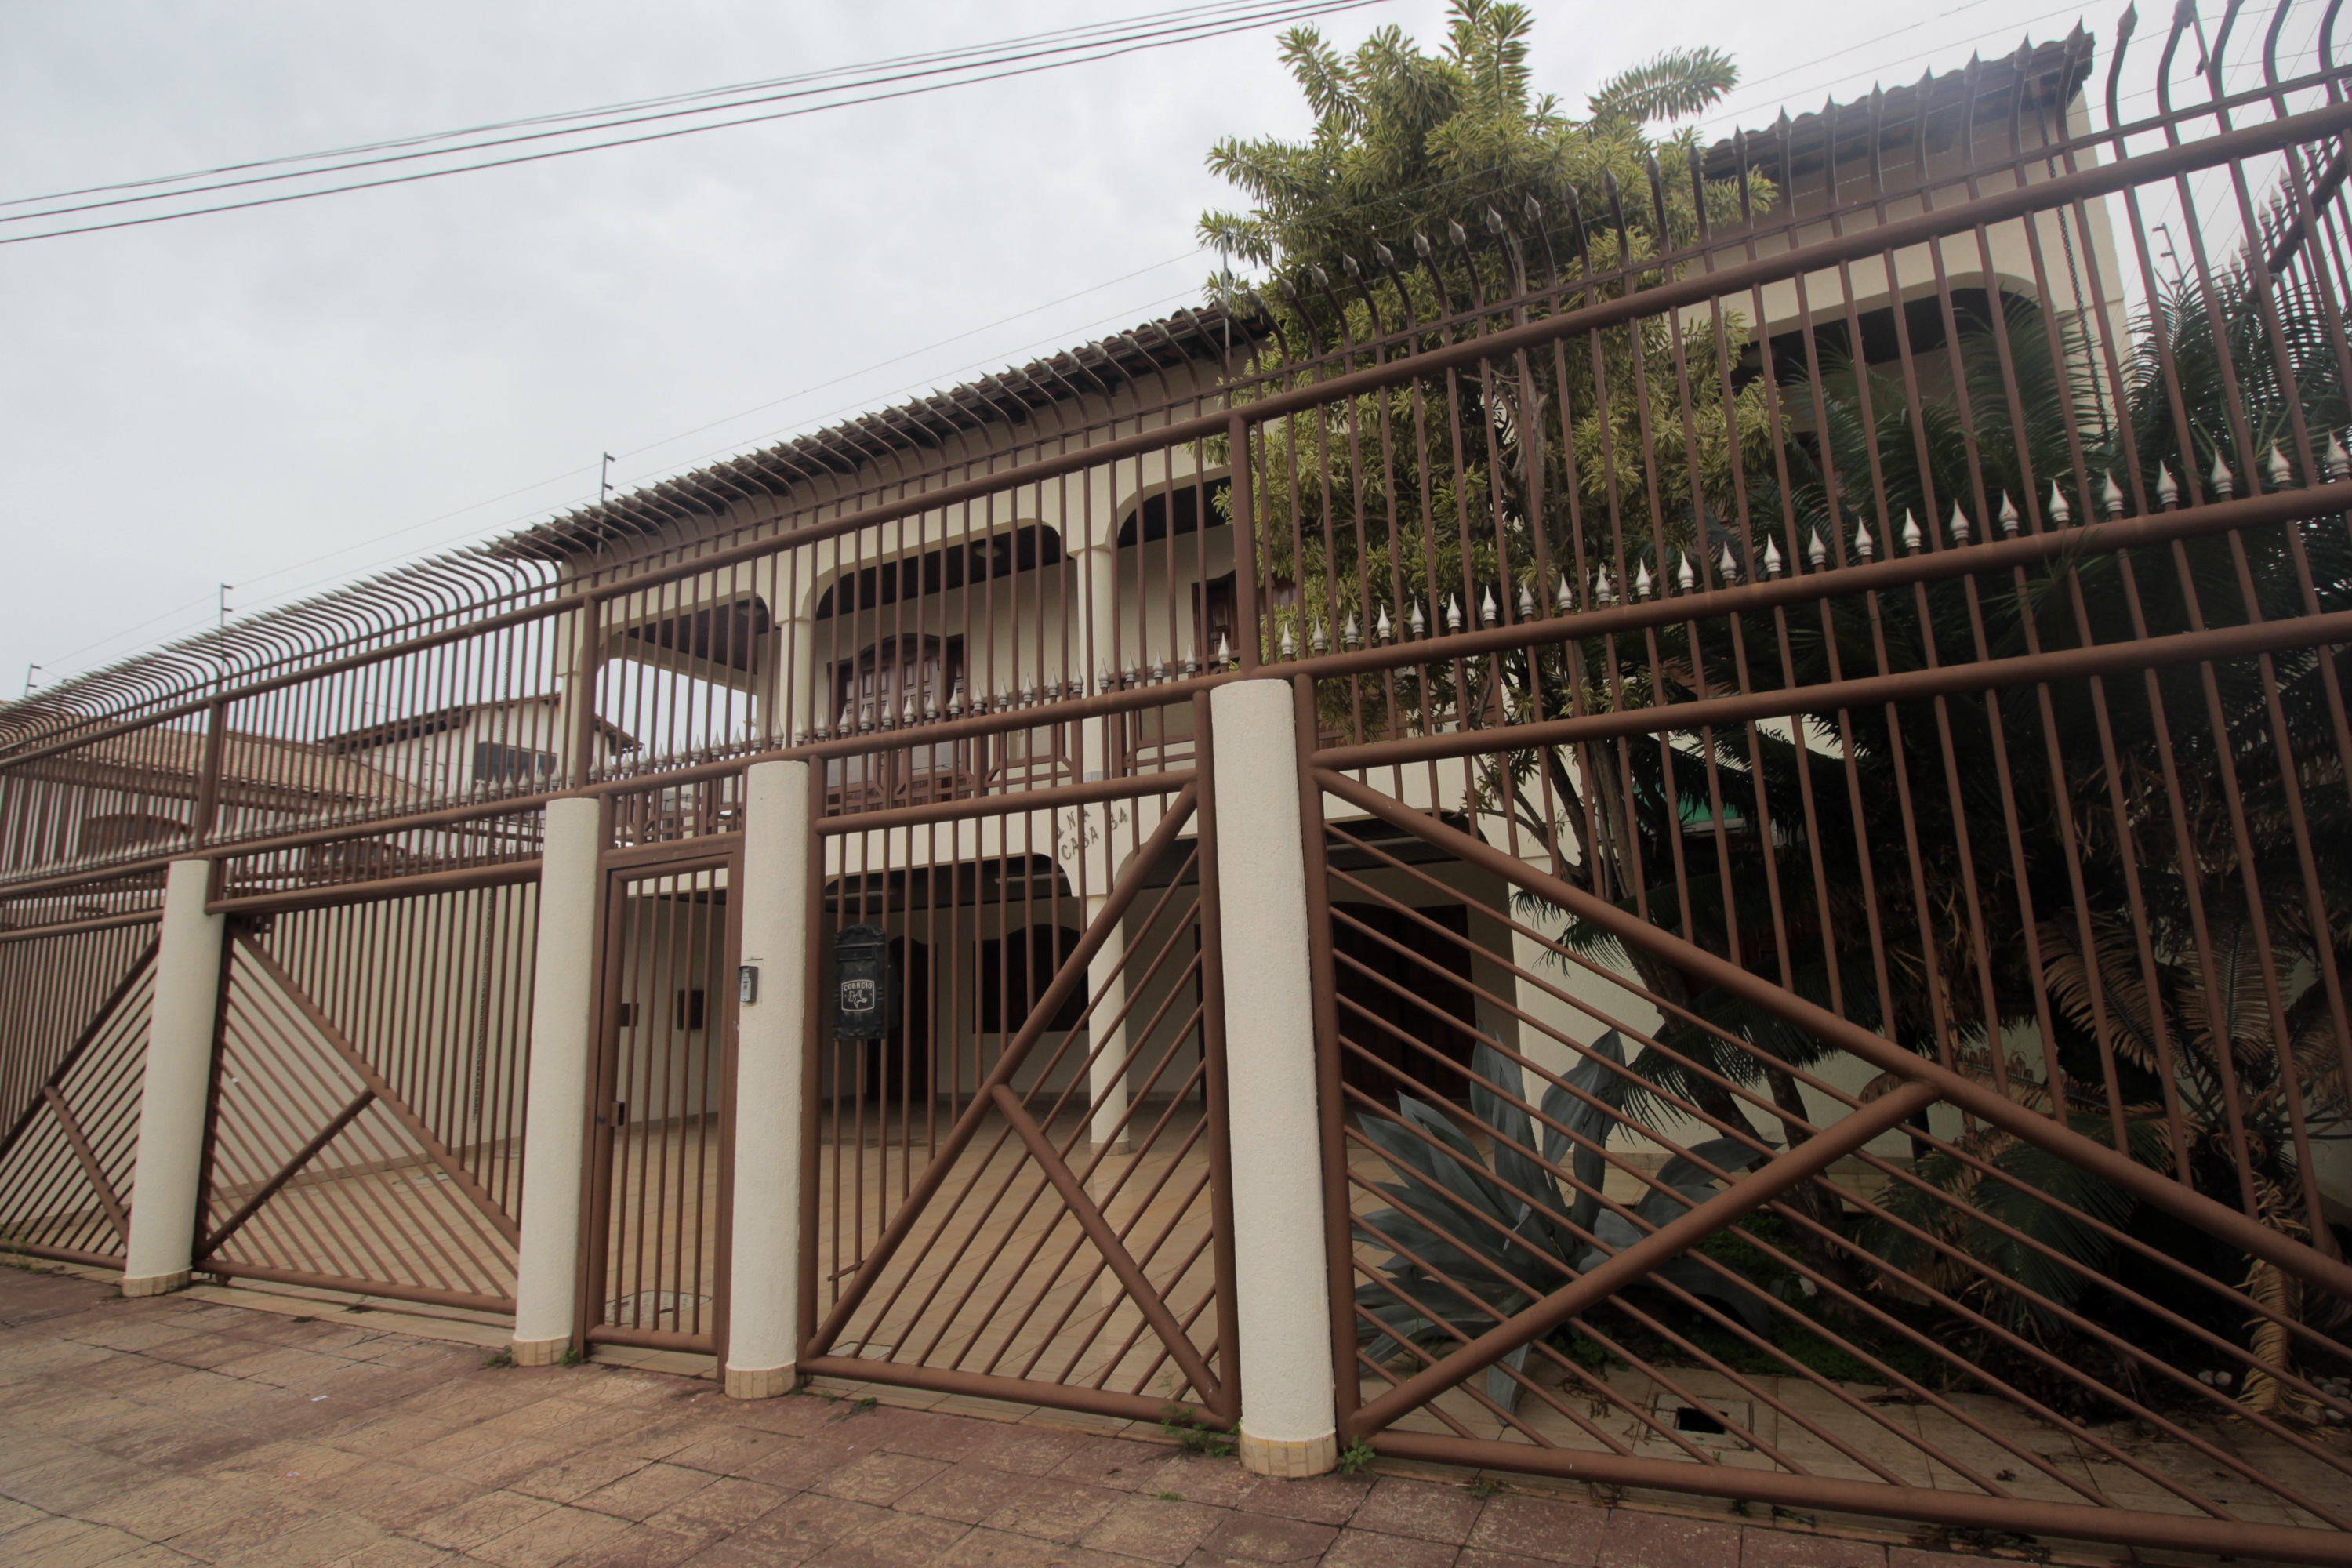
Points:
(1176, 508)
(1023, 549)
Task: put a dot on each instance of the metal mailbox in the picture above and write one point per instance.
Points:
(865, 991)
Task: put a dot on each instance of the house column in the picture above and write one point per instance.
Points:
(1106, 976)
(175, 1089)
(578, 652)
(800, 700)
(1282, 1283)
(1107, 1036)
(772, 1034)
(563, 1062)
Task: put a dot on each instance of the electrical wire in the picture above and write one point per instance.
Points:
(1242, 16)
(636, 105)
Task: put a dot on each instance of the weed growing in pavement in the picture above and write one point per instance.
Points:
(1175, 1421)
(1356, 1458)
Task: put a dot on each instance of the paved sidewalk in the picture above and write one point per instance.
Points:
(182, 1430)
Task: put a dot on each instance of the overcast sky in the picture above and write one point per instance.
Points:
(291, 397)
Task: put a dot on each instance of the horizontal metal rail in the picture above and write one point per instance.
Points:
(1012, 803)
(95, 922)
(377, 889)
(388, 1290)
(1904, 686)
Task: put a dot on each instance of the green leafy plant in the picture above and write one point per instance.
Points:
(1356, 1458)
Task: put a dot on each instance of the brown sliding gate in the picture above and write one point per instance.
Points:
(1658, 1220)
(75, 1007)
(365, 1132)
(1018, 1188)
(661, 1116)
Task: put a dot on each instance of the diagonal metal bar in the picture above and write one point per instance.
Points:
(89, 1158)
(1066, 980)
(1090, 1219)
(286, 1172)
(2226, 1225)
(114, 999)
(1777, 1175)
(434, 1150)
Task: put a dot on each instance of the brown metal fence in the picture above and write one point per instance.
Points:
(1603, 1209)
(657, 1227)
(366, 1127)
(73, 1049)
(1020, 1172)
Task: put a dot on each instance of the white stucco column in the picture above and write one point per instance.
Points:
(770, 1053)
(1106, 1035)
(1098, 651)
(1281, 1285)
(575, 685)
(799, 700)
(173, 1092)
(563, 1063)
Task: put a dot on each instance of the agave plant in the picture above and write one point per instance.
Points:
(1474, 1237)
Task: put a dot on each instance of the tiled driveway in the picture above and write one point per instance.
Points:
(181, 1430)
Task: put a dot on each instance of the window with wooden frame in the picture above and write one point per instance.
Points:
(895, 675)
(1213, 616)
(1216, 614)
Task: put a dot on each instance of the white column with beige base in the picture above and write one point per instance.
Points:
(1281, 1283)
(563, 1063)
(771, 1046)
(175, 1088)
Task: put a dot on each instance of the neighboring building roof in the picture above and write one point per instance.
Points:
(392, 731)
(261, 771)
(1004, 400)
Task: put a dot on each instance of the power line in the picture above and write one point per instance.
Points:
(1242, 16)
(638, 105)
